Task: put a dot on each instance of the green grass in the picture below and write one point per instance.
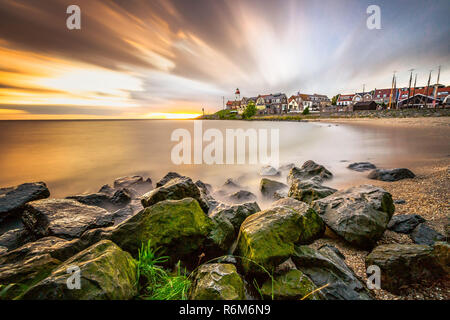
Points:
(159, 284)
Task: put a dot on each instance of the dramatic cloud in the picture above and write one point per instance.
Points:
(150, 58)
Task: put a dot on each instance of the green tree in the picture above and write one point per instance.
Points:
(305, 111)
(249, 111)
(334, 99)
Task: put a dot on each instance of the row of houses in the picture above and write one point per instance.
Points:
(279, 103)
(399, 98)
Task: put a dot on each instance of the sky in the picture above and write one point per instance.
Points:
(171, 58)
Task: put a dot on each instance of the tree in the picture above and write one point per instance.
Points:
(334, 99)
(249, 111)
(305, 111)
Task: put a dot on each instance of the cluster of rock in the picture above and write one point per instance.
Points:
(255, 253)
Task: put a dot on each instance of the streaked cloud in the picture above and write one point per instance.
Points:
(152, 58)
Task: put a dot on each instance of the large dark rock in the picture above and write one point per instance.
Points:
(405, 264)
(137, 183)
(241, 196)
(404, 223)
(267, 238)
(230, 184)
(15, 238)
(326, 266)
(308, 190)
(359, 214)
(12, 199)
(391, 174)
(309, 170)
(217, 281)
(236, 214)
(175, 189)
(361, 166)
(106, 273)
(423, 234)
(63, 218)
(269, 187)
(169, 176)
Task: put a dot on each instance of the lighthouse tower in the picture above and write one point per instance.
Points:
(237, 95)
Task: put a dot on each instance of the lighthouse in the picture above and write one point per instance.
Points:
(237, 95)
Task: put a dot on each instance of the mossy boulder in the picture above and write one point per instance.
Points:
(217, 281)
(222, 234)
(106, 273)
(292, 285)
(178, 227)
(267, 238)
(175, 189)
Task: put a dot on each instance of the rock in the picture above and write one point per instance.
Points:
(326, 266)
(292, 285)
(361, 166)
(34, 261)
(309, 170)
(175, 189)
(231, 184)
(241, 196)
(280, 194)
(404, 223)
(107, 273)
(63, 218)
(167, 178)
(269, 171)
(12, 199)
(222, 234)
(269, 187)
(178, 227)
(15, 238)
(423, 234)
(101, 200)
(217, 281)
(204, 187)
(308, 190)
(313, 225)
(126, 212)
(399, 201)
(122, 197)
(267, 238)
(287, 167)
(236, 214)
(404, 264)
(107, 189)
(391, 174)
(134, 182)
(359, 214)
(441, 251)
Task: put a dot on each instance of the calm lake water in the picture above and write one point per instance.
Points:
(75, 157)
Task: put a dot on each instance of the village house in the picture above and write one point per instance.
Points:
(272, 103)
(345, 99)
(362, 96)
